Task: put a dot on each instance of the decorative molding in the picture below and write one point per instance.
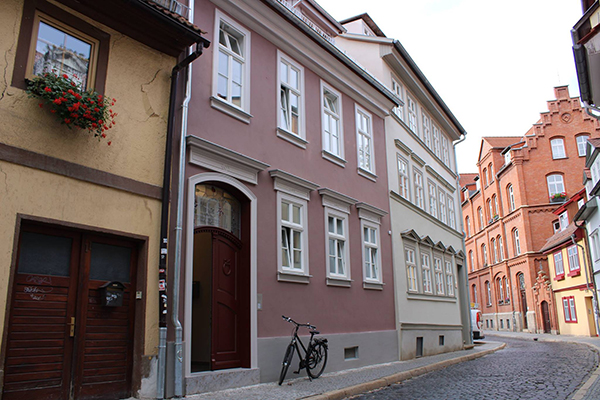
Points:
(230, 110)
(437, 176)
(335, 200)
(292, 278)
(403, 147)
(430, 297)
(221, 159)
(413, 326)
(333, 158)
(373, 285)
(418, 160)
(370, 213)
(292, 138)
(292, 184)
(367, 174)
(339, 282)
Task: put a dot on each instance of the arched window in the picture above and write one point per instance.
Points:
(500, 247)
(556, 185)
(488, 289)
(558, 148)
(581, 144)
(511, 198)
(484, 254)
(471, 260)
(491, 173)
(215, 207)
(474, 293)
(480, 214)
(516, 241)
(489, 207)
(507, 288)
(468, 226)
(495, 249)
(499, 290)
(485, 177)
(495, 203)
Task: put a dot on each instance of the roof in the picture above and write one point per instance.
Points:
(467, 179)
(502, 141)
(560, 237)
(368, 20)
(172, 14)
(595, 142)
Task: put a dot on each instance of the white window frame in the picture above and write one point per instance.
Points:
(500, 247)
(573, 256)
(511, 197)
(432, 190)
(488, 287)
(302, 228)
(595, 245)
(412, 115)
(495, 249)
(559, 266)
(426, 273)
(563, 220)
(558, 148)
(516, 242)
(437, 137)
(451, 212)
(345, 256)
(442, 205)
(445, 151)
(449, 279)
(411, 270)
(241, 112)
(361, 136)
(472, 261)
(367, 247)
(419, 192)
(297, 138)
(484, 254)
(426, 128)
(439, 276)
(468, 225)
(334, 155)
(403, 178)
(581, 144)
(398, 90)
(555, 184)
(481, 220)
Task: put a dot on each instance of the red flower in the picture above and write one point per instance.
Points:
(94, 125)
(109, 142)
(41, 105)
(99, 97)
(67, 121)
(53, 111)
(96, 109)
(70, 91)
(73, 84)
(57, 101)
(47, 89)
(104, 135)
(77, 96)
(91, 101)
(65, 76)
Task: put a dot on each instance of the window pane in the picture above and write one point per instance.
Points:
(44, 254)
(331, 225)
(285, 211)
(284, 72)
(340, 227)
(296, 214)
(293, 78)
(110, 263)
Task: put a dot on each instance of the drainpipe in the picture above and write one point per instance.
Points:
(587, 278)
(160, 385)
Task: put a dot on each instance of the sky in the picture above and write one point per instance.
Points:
(494, 63)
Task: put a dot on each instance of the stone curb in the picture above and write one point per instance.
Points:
(398, 377)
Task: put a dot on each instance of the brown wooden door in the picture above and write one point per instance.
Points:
(524, 308)
(546, 317)
(226, 335)
(62, 343)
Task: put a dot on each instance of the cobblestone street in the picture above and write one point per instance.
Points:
(525, 369)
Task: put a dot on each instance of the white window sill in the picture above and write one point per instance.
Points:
(367, 174)
(339, 281)
(285, 276)
(292, 137)
(373, 285)
(230, 109)
(334, 159)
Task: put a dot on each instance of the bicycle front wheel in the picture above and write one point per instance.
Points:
(287, 360)
(316, 360)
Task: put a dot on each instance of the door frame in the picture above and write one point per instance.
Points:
(189, 265)
(141, 283)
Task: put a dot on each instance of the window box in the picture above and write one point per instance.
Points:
(559, 277)
(558, 197)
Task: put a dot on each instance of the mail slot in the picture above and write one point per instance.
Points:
(111, 294)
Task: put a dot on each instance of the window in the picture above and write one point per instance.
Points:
(439, 276)
(432, 199)
(516, 242)
(403, 178)
(232, 68)
(451, 214)
(445, 152)
(291, 102)
(426, 270)
(484, 254)
(485, 177)
(468, 226)
(500, 247)
(556, 225)
(419, 194)
(595, 245)
(436, 141)
(332, 121)
(411, 270)
(442, 202)
(563, 220)
(573, 257)
(472, 260)
(569, 309)
(412, 115)
(491, 173)
(489, 207)
(507, 157)
(398, 90)
(449, 279)
(511, 198)
(364, 140)
(495, 204)
(507, 288)
(495, 250)
(559, 268)
(480, 213)
(293, 238)
(500, 290)
(337, 249)
(371, 253)
(558, 148)
(426, 129)
(474, 293)
(488, 289)
(581, 144)
(555, 185)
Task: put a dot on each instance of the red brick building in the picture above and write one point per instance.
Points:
(508, 211)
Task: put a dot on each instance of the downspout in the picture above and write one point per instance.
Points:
(162, 277)
(587, 278)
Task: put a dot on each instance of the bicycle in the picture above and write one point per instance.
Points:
(315, 354)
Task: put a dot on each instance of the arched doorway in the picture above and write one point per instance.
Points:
(546, 316)
(220, 275)
(521, 280)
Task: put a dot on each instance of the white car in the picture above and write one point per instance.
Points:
(476, 324)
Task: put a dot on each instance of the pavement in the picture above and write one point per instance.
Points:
(342, 384)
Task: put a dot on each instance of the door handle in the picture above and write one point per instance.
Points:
(72, 327)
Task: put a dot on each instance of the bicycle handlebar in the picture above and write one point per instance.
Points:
(288, 319)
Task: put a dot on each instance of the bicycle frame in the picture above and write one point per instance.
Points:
(296, 339)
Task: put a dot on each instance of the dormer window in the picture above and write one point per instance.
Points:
(507, 157)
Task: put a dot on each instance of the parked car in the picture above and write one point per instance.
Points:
(476, 324)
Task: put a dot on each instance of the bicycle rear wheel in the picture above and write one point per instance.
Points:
(287, 360)
(316, 360)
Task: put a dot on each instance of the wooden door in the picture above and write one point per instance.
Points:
(61, 343)
(524, 308)
(546, 317)
(226, 324)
